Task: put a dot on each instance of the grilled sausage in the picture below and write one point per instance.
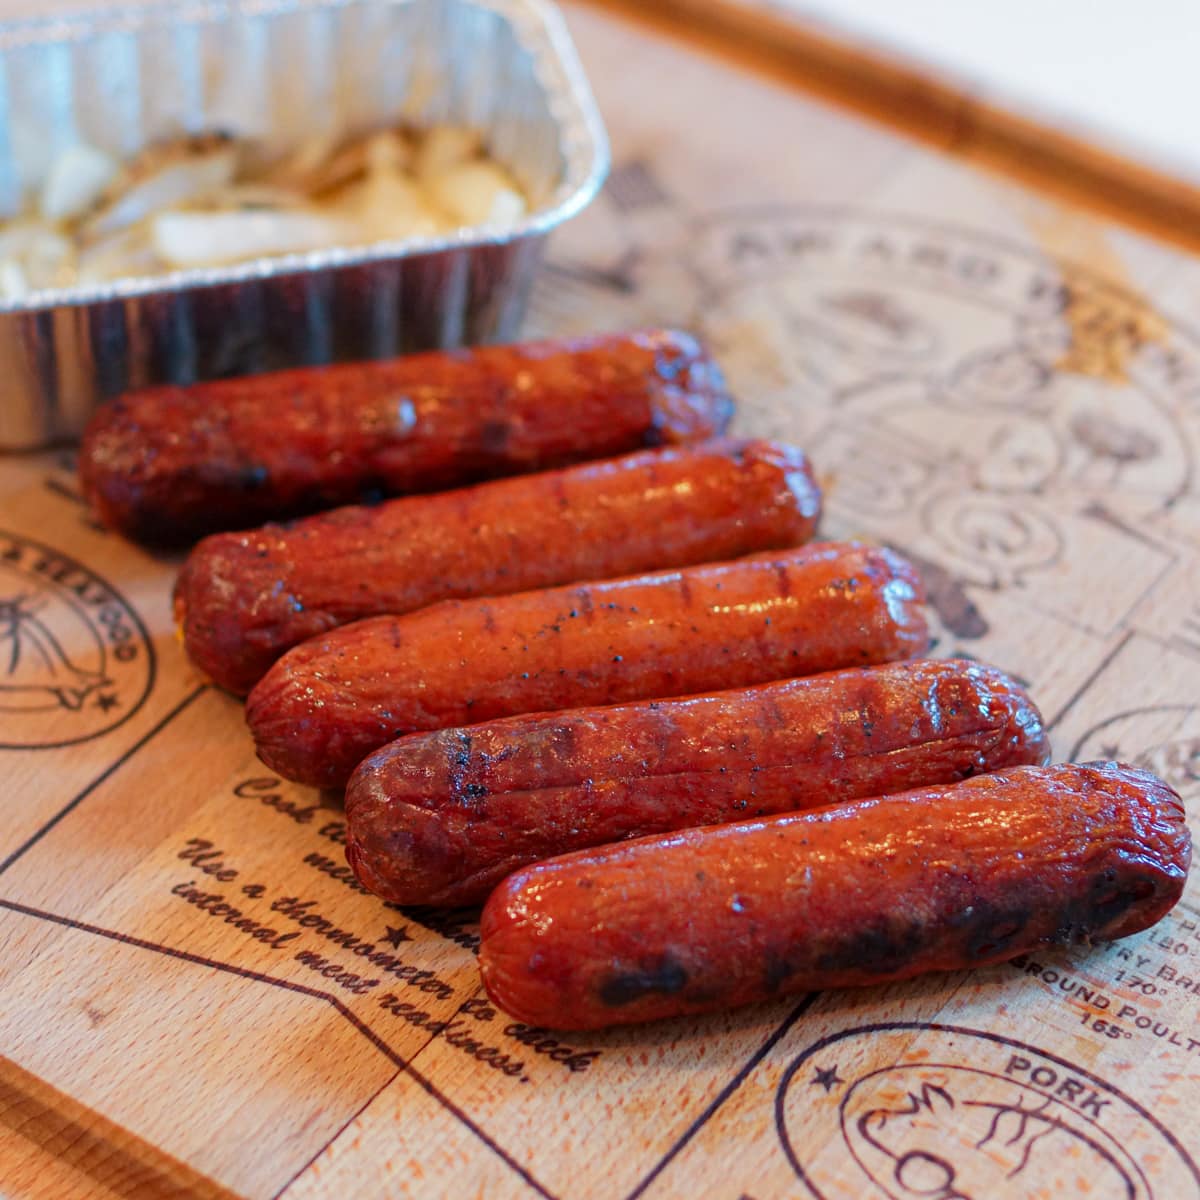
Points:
(330, 702)
(169, 464)
(867, 892)
(244, 598)
(441, 818)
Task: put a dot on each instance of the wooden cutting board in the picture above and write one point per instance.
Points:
(1006, 390)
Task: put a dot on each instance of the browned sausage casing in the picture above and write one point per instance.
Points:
(328, 703)
(244, 598)
(169, 464)
(441, 818)
(870, 891)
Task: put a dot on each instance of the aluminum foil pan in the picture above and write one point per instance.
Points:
(280, 71)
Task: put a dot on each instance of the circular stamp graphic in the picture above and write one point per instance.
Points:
(75, 659)
(944, 375)
(915, 1111)
(968, 397)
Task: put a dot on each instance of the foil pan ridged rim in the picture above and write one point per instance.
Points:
(542, 30)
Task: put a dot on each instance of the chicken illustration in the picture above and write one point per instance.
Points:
(939, 1147)
(33, 664)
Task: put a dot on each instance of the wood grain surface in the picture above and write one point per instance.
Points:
(196, 998)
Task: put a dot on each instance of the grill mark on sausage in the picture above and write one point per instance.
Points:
(666, 978)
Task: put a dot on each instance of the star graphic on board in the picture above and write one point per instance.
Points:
(105, 701)
(396, 936)
(827, 1077)
(1110, 750)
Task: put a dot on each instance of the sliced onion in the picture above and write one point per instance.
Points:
(182, 204)
(348, 164)
(165, 177)
(125, 254)
(388, 151)
(201, 239)
(13, 284)
(443, 147)
(76, 180)
(393, 212)
(45, 257)
(50, 261)
(478, 193)
(297, 170)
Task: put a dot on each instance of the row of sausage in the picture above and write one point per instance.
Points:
(693, 758)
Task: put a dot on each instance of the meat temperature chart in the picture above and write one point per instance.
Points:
(198, 998)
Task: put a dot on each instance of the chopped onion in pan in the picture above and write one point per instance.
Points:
(194, 203)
